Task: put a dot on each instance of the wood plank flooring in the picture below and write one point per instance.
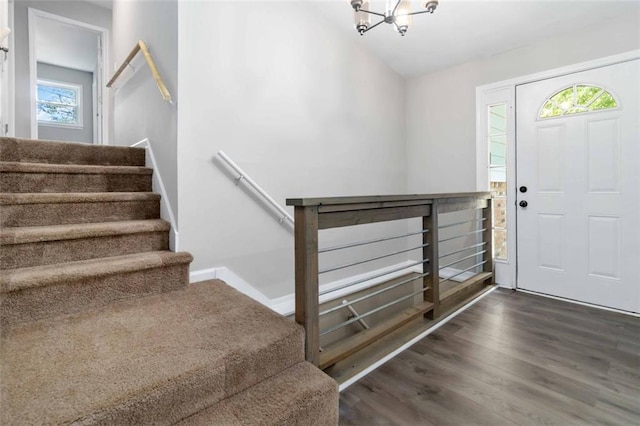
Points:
(512, 358)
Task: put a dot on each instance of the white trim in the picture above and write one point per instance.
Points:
(576, 302)
(411, 342)
(103, 33)
(166, 211)
(506, 272)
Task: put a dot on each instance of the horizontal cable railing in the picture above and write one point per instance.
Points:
(398, 294)
(284, 216)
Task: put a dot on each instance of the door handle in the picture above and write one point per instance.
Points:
(523, 203)
(523, 189)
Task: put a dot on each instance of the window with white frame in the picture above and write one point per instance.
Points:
(59, 104)
(497, 135)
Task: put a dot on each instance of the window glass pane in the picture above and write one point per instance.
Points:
(500, 243)
(499, 188)
(57, 113)
(497, 141)
(58, 95)
(577, 99)
(500, 212)
(604, 101)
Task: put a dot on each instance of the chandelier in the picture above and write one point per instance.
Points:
(397, 12)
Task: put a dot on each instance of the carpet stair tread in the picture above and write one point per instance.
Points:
(35, 234)
(54, 152)
(153, 360)
(300, 395)
(17, 167)
(39, 276)
(75, 197)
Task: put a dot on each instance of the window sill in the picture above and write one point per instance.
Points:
(61, 125)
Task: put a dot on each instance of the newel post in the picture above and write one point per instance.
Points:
(430, 251)
(487, 237)
(306, 276)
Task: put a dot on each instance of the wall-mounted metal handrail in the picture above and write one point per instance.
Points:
(142, 47)
(284, 215)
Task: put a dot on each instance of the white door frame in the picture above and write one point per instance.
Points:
(504, 91)
(8, 84)
(103, 33)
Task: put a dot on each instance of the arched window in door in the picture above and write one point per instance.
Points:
(577, 99)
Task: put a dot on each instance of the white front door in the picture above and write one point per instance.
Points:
(578, 161)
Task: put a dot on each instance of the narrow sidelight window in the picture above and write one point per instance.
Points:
(498, 176)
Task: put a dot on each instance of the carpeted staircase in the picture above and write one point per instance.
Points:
(99, 324)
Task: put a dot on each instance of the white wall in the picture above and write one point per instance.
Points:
(139, 110)
(301, 108)
(68, 75)
(441, 132)
(78, 10)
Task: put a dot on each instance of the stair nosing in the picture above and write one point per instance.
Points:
(47, 233)
(75, 197)
(39, 276)
(47, 168)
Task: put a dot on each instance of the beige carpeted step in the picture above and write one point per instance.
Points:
(30, 294)
(38, 151)
(300, 395)
(46, 245)
(150, 360)
(67, 208)
(34, 177)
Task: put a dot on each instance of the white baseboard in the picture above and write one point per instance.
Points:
(166, 211)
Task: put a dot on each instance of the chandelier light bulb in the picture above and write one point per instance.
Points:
(361, 19)
(396, 12)
(403, 17)
(431, 5)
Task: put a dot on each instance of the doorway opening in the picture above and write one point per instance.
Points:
(574, 143)
(67, 69)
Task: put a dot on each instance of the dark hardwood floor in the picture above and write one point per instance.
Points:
(512, 358)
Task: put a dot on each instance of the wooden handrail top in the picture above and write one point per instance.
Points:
(359, 200)
(141, 46)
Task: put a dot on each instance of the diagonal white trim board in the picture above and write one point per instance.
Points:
(166, 211)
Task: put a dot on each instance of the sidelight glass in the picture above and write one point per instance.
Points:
(497, 141)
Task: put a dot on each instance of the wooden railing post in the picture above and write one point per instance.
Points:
(487, 237)
(306, 275)
(431, 252)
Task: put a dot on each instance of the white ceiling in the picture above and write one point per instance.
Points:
(462, 30)
(66, 45)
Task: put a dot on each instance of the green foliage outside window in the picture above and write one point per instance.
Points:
(577, 99)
